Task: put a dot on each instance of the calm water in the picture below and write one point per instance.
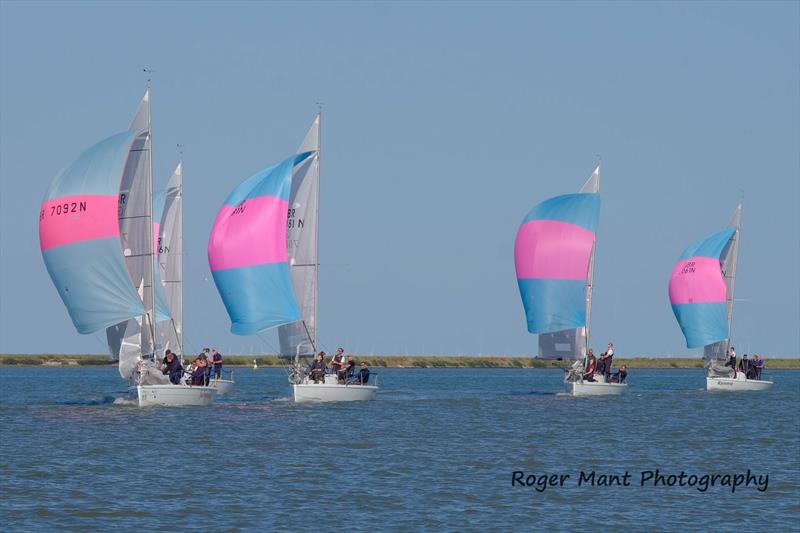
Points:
(436, 449)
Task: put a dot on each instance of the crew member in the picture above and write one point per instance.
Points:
(217, 359)
(337, 360)
(348, 371)
(591, 366)
(172, 367)
(363, 374)
(316, 370)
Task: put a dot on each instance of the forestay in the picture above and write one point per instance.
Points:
(300, 338)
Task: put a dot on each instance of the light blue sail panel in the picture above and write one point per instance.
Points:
(98, 170)
(702, 323)
(79, 237)
(553, 304)
(93, 283)
(267, 182)
(257, 297)
(711, 246)
(581, 209)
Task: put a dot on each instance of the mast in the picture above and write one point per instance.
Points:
(180, 283)
(591, 186)
(589, 285)
(150, 309)
(316, 225)
(730, 269)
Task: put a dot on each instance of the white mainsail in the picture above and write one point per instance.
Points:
(728, 260)
(169, 333)
(136, 234)
(300, 338)
(573, 343)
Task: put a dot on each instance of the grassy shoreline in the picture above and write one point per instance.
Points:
(395, 361)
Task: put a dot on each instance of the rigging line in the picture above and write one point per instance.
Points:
(103, 344)
(269, 344)
(134, 216)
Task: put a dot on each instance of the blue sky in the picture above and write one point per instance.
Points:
(444, 123)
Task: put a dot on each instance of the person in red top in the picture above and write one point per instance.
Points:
(591, 365)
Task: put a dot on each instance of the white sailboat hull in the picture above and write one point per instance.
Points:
(739, 383)
(595, 388)
(223, 386)
(174, 395)
(332, 391)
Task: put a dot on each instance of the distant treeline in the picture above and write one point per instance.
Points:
(398, 361)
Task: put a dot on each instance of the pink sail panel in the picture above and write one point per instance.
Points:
(697, 280)
(70, 219)
(156, 233)
(254, 233)
(551, 249)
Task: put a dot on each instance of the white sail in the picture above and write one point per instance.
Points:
(592, 185)
(300, 338)
(136, 233)
(573, 343)
(728, 260)
(169, 332)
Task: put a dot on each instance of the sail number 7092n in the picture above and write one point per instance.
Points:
(63, 209)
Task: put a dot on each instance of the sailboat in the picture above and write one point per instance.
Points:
(263, 257)
(701, 293)
(168, 227)
(554, 256)
(98, 243)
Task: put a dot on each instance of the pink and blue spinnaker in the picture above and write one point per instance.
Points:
(247, 251)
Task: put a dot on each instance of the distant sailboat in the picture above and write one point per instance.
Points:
(701, 293)
(263, 257)
(98, 243)
(168, 206)
(554, 257)
(168, 228)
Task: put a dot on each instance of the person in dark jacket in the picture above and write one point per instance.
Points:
(316, 370)
(604, 363)
(172, 366)
(744, 365)
(620, 376)
(362, 378)
(217, 360)
(199, 372)
(348, 370)
(337, 361)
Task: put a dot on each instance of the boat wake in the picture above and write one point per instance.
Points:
(124, 400)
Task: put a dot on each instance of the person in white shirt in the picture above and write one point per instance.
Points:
(604, 363)
(731, 358)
